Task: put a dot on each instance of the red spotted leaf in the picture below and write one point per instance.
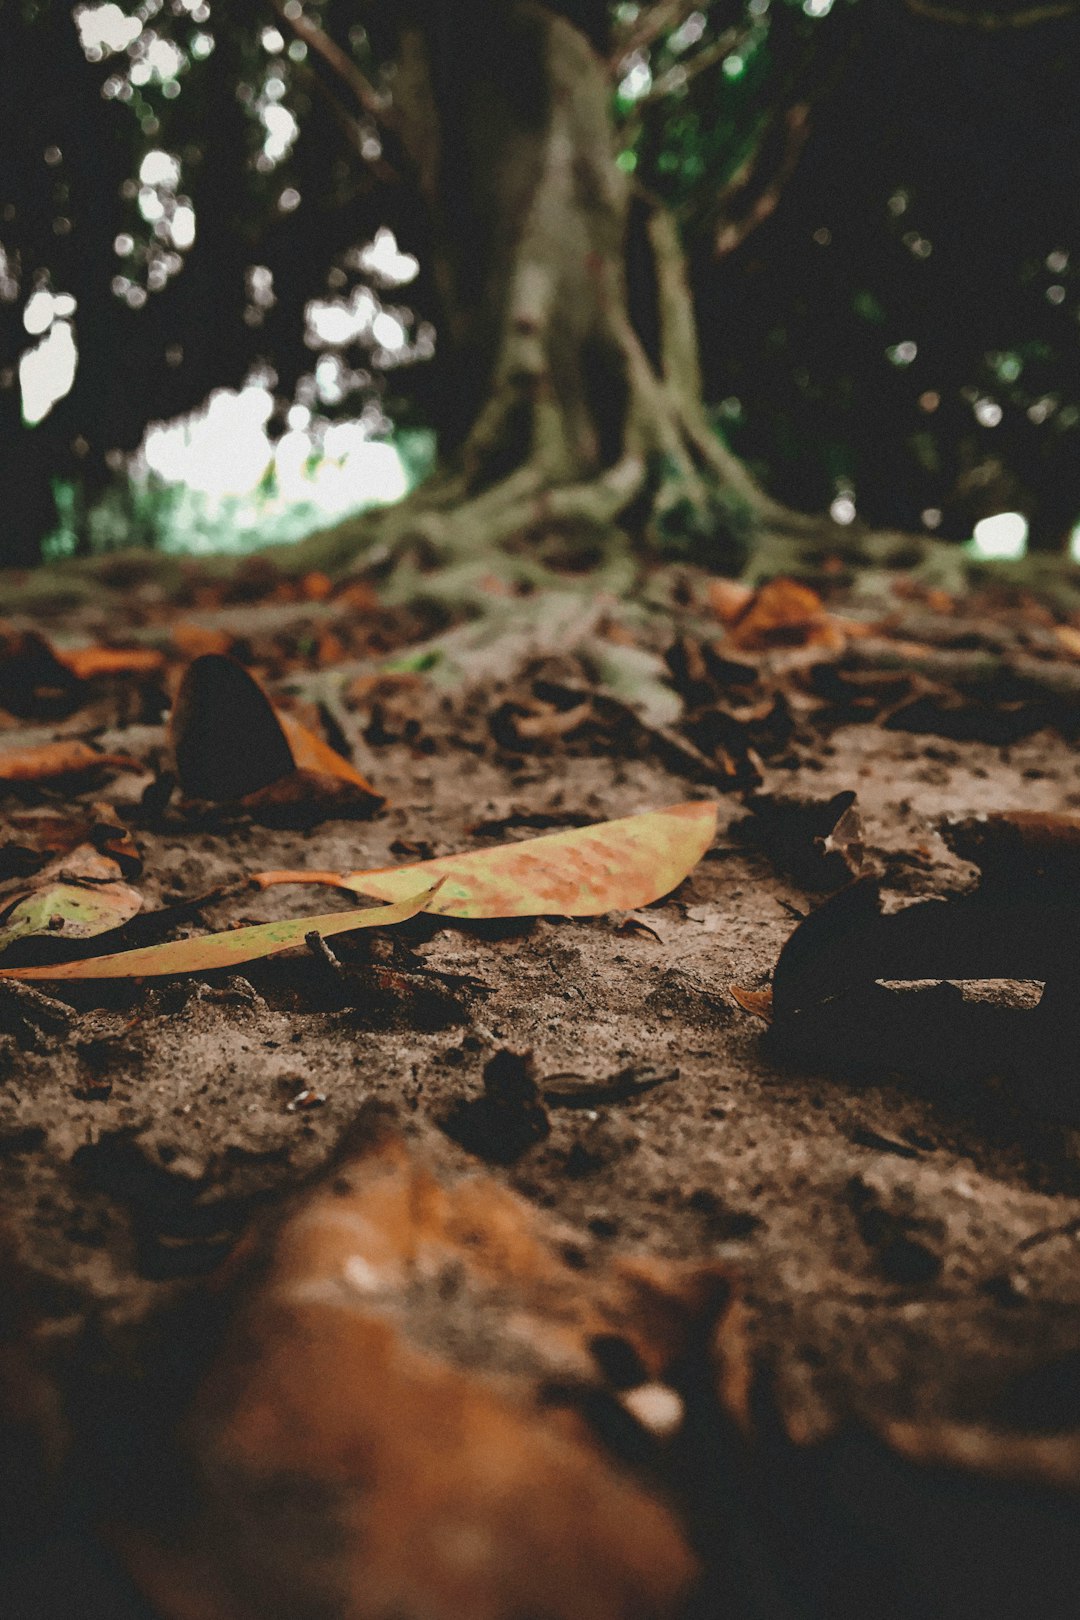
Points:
(583, 872)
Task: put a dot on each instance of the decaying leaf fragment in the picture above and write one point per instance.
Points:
(29, 837)
(759, 1003)
(850, 941)
(583, 872)
(228, 949)
(820, 841)
(1017, 847)
(396, 1422)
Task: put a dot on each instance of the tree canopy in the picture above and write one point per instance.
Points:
(878, 204)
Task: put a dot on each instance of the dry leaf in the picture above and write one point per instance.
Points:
(225, 736)
(67, 911)
(316, 586)
(230, 743)
(756, 1002)
(396, 1421)
(784, 613)
(31, 672)
(310, 753)
(50, 762)
(228, 949)
(77, 895)
(193, 640)
(304, 798)
(584, 872)
(728, 598)
(91, 663)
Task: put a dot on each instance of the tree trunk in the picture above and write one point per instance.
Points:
(567, 338)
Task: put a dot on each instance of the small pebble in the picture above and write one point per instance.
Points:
(657, 1408)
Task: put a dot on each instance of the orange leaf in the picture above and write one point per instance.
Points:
(192, 640)
(89, 663)
(727, 598)
(228, 949)
(756, 1002)
(312, 754)
(336, 1445)
(316, 586)
(611, 866)
(1069, 638)
(230, 741)
(68, 757)
(784, 613)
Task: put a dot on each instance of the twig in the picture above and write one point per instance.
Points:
(659, 20)
(337, 60)
(733, 233)
(683, 72)
(322, 952)
(1046, 1233)
(620, 1088)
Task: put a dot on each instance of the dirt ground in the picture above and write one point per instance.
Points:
(897, 1191)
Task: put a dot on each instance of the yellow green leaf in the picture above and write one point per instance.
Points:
(228, 949)
(69, 911)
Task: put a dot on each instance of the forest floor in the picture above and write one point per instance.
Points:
(889, 1174)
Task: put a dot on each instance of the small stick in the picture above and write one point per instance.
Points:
(322, 952)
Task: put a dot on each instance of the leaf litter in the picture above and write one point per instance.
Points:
(749, 1148)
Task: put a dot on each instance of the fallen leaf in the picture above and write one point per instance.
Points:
(193, 640)
(397, 1418)
(316, 586)
(31, 673)
(358, 595)
(584, 872)
(784, 613)
(759, 1003)
(1017, 847)
(68, 757)
(225, 736)
(92, 663)
(68, 911)
(229, 741)
(304, 798)
(228, 949)
(310, 753)
(77, 895)
(330, 649)
(728, 598)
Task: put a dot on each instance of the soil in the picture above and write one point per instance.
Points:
(903, 1211)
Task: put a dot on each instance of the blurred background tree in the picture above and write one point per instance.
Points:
(633, 265)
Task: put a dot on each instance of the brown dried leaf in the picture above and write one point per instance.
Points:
(94, 662)
(759, 1003)
(392, 1368)
(784, 613)
(56, 761)
(231, 745)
